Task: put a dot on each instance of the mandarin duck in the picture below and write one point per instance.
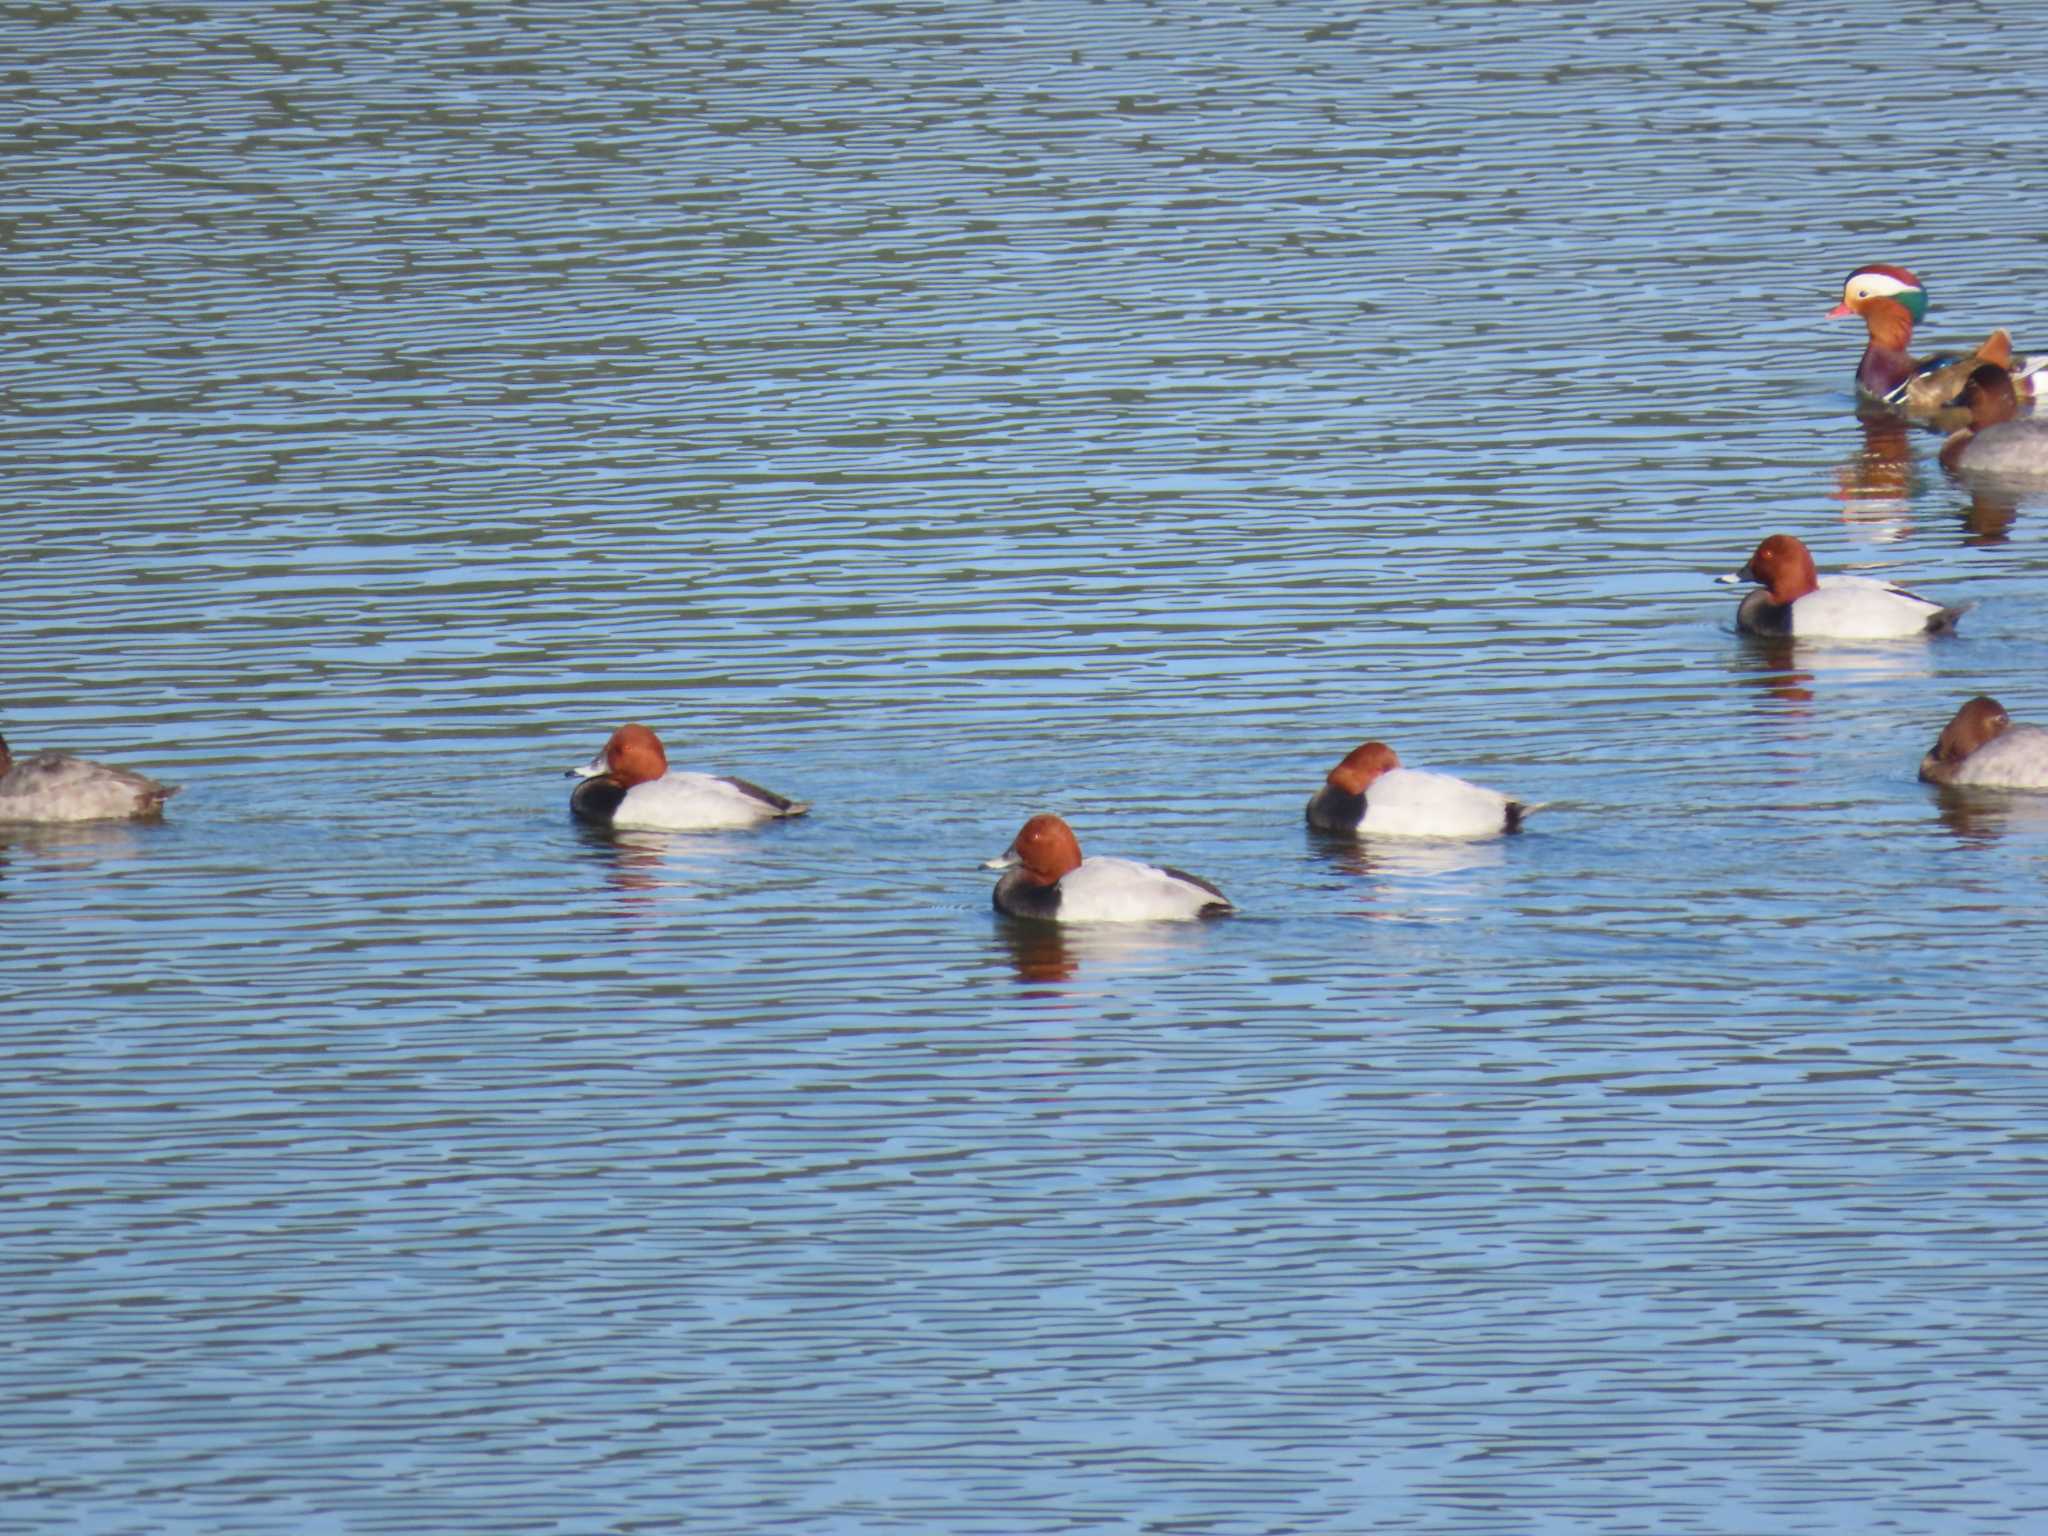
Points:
(1891, 300)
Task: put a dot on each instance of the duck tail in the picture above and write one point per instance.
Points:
(2030, 376)
(1943, 620)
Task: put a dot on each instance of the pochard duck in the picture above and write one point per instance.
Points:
(1994, 443)
(1048, 879)
(1982, 746)
(1891, 300)
(629, 786)
(53, 786)
(1793, 600)
(1371, 793)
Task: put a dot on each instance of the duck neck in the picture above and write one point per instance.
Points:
(1886, 361)
(1337, 810)
(1952, 450)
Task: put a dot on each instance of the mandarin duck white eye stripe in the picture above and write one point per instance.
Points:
(1884, 282)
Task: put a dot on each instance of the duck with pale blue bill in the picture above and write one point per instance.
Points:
(54, 786)
(1995, 442)
(1794, 600)
(1981, 746)
(1890, 300)
(1048, 880)
(630, 787)
(1371, 794)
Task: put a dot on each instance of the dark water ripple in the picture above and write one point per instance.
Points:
(945, 413)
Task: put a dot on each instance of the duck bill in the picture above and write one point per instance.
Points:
(1840, 312)
(1736, 578)
(1002, 860)
(589, 770)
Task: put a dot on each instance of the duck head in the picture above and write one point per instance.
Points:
(1879, 285)
(1044, 849)
(1361, 766)
(634, 755)
(1782, 566)
(1974, 724)
(1988, 396)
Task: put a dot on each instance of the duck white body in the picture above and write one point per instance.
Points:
(1106, 889)
(2018, 759)
(1411, 802)
(53, 786)
(697, 802)
(1864, 608)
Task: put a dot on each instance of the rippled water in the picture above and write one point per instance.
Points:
(944, 414)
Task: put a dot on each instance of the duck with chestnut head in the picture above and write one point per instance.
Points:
(1048, 879)
(1997, 440)
(1981, 746)
(630, 786)
(1370, 794)
(1793, 599)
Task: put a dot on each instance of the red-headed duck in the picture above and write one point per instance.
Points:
(1371, 793)
(51, 786)
(1048, 879)
(1793, 600)
(1982, 746)
(1994, 443)
(629, 786)
(1890, 301)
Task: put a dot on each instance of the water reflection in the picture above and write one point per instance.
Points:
(641, 863)
(1765, 661)
(1785, 667)
(1038, 951)
(1989, 515)
(1054, 952)
(1398, 879)
(67, 844)
(1875, 484)
(1406, 858)
(1995, 502)
(1980, 816)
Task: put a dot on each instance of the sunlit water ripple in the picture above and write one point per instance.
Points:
(946, 413)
